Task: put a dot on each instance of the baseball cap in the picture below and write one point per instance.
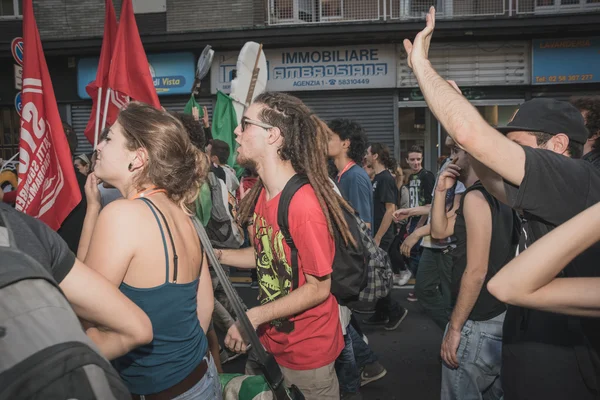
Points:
(549, 116)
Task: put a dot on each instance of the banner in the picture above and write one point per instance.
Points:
(47, 189)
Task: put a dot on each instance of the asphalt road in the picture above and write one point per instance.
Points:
(410, 354)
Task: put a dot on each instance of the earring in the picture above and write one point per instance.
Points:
(130, 167)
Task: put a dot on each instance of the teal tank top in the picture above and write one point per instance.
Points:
(179, 343)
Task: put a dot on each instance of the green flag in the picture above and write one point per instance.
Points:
(191, 104)
(224, 122)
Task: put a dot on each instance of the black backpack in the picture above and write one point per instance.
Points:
(44, 352)
(349, 276)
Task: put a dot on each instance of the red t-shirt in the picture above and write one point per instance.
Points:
(311, 339)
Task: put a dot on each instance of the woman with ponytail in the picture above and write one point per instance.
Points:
(146, 245)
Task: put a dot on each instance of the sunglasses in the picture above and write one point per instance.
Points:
(248, 121)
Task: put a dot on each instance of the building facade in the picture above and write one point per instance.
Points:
(344, 58)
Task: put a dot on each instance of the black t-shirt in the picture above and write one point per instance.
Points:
(384, 191)
(40, 242)
(420, 193)
(219, 172)
(547, 355)
(504, 241)
(71, 228)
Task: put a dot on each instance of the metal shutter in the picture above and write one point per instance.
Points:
(474, 63)
(373, 109)
(80, 115)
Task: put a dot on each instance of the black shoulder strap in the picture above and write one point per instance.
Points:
(283, 208)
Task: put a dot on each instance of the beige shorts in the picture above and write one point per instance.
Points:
(315, 384)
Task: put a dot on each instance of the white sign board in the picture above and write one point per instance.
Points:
(18, 77)
(321, 68)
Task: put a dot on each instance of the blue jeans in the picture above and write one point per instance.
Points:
(355, 355)
(479, 357)
(208, 388)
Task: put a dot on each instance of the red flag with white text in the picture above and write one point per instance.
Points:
(47, 188)
(129, 69)
(108, 43)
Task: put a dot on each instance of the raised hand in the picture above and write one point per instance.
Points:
(418, 50)
(448, 178)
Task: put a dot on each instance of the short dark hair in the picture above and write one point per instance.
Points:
(195, 130)
(415, 149)
(590, 105)
(575, 149)
(383, 154)
(350, 130)
(221, 150)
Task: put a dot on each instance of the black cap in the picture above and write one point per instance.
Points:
(549, 116)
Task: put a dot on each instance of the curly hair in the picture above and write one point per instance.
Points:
(350, 130)
(174, 162)
(195, 130)
(383, 155)
(305, 142)
(590, 107)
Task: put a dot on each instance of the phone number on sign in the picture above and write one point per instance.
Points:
(564, 78)
(353, 81)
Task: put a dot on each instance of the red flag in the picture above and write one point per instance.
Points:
(129, 71)
(47, 189)
(108, 43)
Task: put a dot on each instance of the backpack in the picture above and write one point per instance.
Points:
(350, 264)
(45, 354)
(221, 228)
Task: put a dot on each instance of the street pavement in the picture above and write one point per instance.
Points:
(410, 353)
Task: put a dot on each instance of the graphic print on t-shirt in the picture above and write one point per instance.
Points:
(414, 191)
(273, 271)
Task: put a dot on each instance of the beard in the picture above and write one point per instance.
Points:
(245, 162)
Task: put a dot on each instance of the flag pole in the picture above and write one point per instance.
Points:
(97, 125)
(105, 108)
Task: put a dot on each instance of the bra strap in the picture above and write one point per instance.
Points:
(175, 257)
(162, 232)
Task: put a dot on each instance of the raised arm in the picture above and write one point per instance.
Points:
(462, 121)
(530, 279)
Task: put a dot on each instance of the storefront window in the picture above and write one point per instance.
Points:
(9, 132)
(412, 123)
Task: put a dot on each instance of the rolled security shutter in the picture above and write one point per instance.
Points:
(80, 115)
(373, 109)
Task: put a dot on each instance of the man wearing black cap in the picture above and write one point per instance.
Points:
(545, 356)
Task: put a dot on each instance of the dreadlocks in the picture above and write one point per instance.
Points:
(305, 140)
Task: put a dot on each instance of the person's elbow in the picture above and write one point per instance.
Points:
(141, 332)
(437, 233)
(501, 291)
(322, 289)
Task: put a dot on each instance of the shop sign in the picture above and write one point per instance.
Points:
(172, 73)
(563, 61)
(317, 68)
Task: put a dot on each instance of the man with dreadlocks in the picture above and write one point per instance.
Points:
(279, 137)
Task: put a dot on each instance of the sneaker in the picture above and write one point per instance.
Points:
(376, 320)
(350, 395)
(371, 373)
(412, 297)
(395, 321)
(404, 278)
(363, 309)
